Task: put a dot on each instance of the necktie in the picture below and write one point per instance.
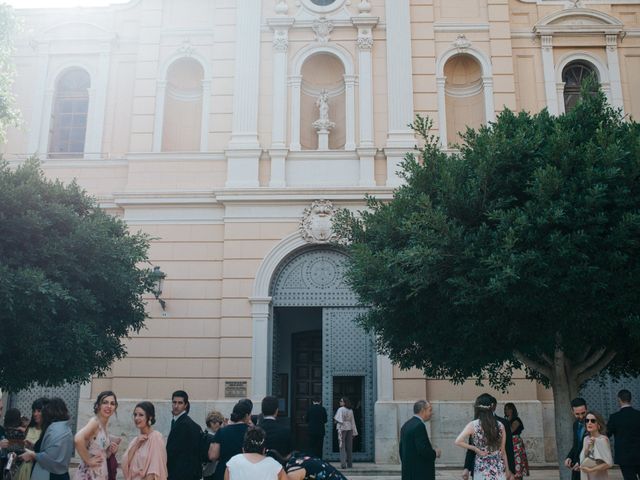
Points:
(173, 422)
(580, 431)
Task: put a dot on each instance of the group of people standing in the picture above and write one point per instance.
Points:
(495, 450)
(590, 456)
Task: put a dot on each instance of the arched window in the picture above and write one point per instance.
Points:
(573, 75)
(69, 117)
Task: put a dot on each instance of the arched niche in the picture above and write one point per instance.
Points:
(296, 85)
(182, 123)
(467, 64)
(464, 96)
(184, 87)
(322, 71)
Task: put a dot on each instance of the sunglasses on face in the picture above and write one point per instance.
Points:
(590, 420)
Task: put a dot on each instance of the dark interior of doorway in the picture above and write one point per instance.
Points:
(353, 389)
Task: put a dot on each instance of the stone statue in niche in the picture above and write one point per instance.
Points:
(323, 125)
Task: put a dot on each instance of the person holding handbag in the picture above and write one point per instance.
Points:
(595, 457)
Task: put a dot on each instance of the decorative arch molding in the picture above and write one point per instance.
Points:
(463, 47)
(295, 82)
(262, 315)
(185, 51)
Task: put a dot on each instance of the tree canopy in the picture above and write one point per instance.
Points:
(9, 115)
(520, 250)
(70, 282)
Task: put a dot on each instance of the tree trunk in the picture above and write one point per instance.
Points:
(565, 388)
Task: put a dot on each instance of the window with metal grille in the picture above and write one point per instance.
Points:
(573, 75)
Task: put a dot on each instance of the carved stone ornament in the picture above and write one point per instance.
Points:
(365, 39)
(186, 48)
(322, 28)
(461, 43)
(281, 7)
(280, 40)
(316, 224)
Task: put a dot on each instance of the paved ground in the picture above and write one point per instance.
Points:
(372, 471)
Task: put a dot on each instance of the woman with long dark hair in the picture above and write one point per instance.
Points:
(488, 437)
(56, 446)
(519, 452)
(34, 431)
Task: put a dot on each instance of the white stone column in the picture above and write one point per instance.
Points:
(161, 88)
(295, 82)
(613, 63)
(244, 150)
(204, 122)
(560, 97)
(97, 107)
(549, 72)
(278, 152)
(489, 107)
(366, 149)
(350, 112)
(37, 120)
(400, 138)
(261, 356)
(47, 112)
(442, 110)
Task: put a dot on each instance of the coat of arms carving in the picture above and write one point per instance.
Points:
(316, 224)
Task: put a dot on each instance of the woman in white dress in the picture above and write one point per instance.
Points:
(595, 457)
(252, 464)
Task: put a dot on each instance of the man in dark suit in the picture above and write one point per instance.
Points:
(316, 418)
(579, 409)
(417, 455)
(183, 462)
(278, 436)
(470, 457)
(624, 425)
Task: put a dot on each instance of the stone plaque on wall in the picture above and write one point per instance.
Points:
(235, 389)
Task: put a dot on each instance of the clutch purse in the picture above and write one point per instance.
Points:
(588, 462)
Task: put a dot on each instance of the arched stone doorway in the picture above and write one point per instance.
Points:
(318, 349)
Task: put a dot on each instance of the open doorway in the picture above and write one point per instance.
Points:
(298, 366)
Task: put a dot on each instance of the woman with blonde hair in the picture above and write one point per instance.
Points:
(595, 457)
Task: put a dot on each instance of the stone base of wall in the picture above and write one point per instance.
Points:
(449, 419)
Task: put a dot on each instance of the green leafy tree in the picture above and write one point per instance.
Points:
(70, 282)
(520, 251)
(9, 115)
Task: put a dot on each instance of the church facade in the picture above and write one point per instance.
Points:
(231, 131)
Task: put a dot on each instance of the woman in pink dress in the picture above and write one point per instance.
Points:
(146, 456)
(92, 441)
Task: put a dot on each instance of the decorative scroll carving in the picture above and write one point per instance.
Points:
(322, 28)
(316, 226)
(186, 48)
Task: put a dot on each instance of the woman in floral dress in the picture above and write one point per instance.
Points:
(488, 441)
(92, 441)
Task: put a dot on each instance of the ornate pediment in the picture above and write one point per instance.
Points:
(578, 21)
